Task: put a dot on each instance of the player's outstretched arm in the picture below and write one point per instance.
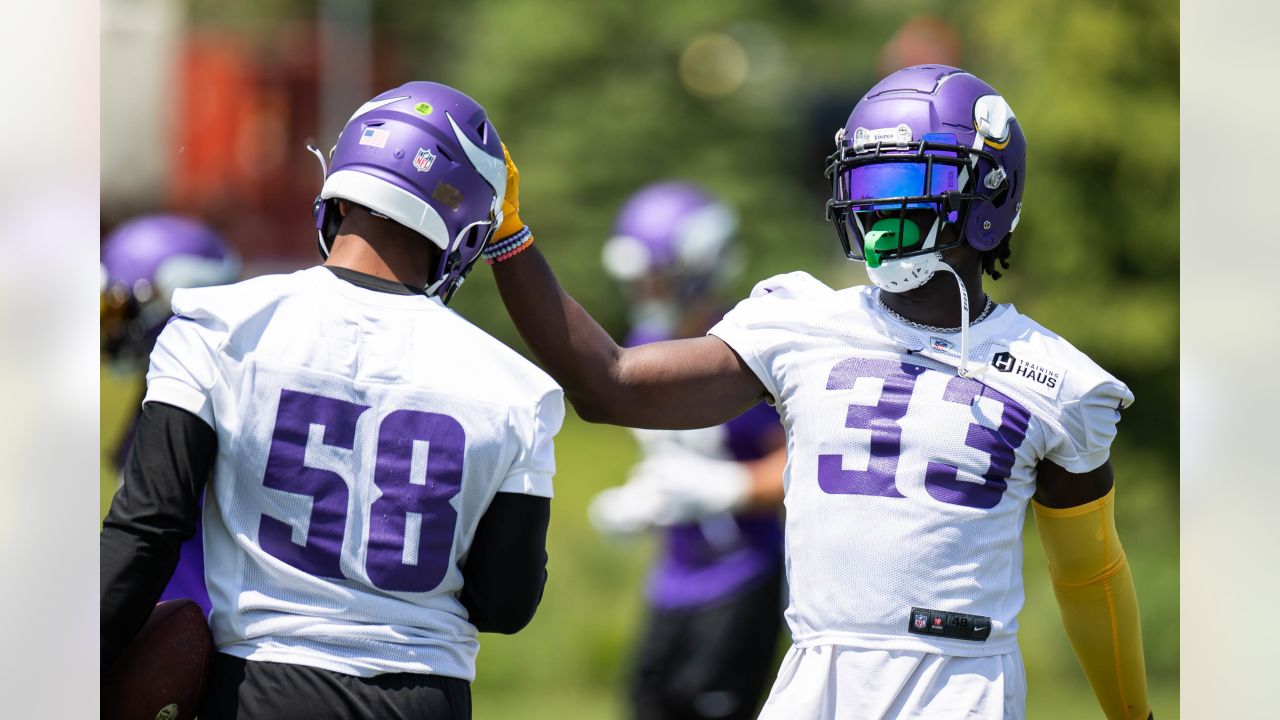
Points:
(672, 385)
(1091, 579)
(677, 384)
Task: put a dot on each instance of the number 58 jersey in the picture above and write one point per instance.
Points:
(906, 483)
(361, 437)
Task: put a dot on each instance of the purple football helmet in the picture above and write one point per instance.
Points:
(426, 156)
(143, 261)
(928, 138)
(676, 230)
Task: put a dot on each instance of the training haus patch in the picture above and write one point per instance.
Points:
(1044, 378)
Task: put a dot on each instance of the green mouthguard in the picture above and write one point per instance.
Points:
(883, 236)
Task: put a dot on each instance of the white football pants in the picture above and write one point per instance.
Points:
(836, 682)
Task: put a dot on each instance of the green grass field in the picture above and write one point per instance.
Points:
(569, 663)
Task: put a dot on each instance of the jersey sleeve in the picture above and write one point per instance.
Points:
(535, 462)
(759, 325)
(1089, 426)
(183, 368)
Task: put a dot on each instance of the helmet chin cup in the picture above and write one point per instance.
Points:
(900, 274)
(903, 274)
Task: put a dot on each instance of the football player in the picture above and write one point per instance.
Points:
(381, 468)
(714, 596)
(144, 261)
(922, 418)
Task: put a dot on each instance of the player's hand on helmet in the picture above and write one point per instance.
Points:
(671, 489)
(511, 222)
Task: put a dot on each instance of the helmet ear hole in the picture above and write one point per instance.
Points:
(1001, 196)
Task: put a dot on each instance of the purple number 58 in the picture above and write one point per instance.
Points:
(941, 480)
(411, 525)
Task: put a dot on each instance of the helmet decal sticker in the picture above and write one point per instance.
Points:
(375, 137)
(423, 161)
(448, 195)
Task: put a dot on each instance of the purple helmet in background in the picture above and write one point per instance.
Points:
(427, 157)
(929, 137)
(143, 261)
(676, 230)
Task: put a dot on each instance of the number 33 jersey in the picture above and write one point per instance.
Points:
(907, 484)
(361, 437)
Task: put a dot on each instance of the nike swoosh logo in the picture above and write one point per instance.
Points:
(492, 169)
(374, 105)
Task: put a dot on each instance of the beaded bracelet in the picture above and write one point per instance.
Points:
(508, 247)
(499, 247)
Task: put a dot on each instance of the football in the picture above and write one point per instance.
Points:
(163, 674)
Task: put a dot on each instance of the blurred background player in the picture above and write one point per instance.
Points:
(144, 260)
(381, 468)
(715, 592)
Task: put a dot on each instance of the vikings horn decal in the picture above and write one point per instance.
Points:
(991, 117)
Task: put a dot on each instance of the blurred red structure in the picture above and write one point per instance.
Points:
(242, 118)
(922, 39)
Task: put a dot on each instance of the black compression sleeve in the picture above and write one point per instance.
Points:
(154, 511)
(506, 567)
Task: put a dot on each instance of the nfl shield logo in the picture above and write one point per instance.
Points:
(921, 620)
(424, 160)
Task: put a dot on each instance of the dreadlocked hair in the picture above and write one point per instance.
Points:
(998, 254)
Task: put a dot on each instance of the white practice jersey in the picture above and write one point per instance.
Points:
(361, 436)
(906, 484)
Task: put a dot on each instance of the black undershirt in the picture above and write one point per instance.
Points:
(155, 511)
(373, 282)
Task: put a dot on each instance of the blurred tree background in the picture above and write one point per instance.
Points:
(596, 98)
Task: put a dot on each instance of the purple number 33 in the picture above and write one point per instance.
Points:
(411, 525)
(941, 480)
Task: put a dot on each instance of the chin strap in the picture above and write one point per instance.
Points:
(963, 370)
(317, 207)
(324, 166)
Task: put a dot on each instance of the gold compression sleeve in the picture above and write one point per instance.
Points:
(1099, 606)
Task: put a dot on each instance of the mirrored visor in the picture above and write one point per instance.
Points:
(898, 180)
(903, 179)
